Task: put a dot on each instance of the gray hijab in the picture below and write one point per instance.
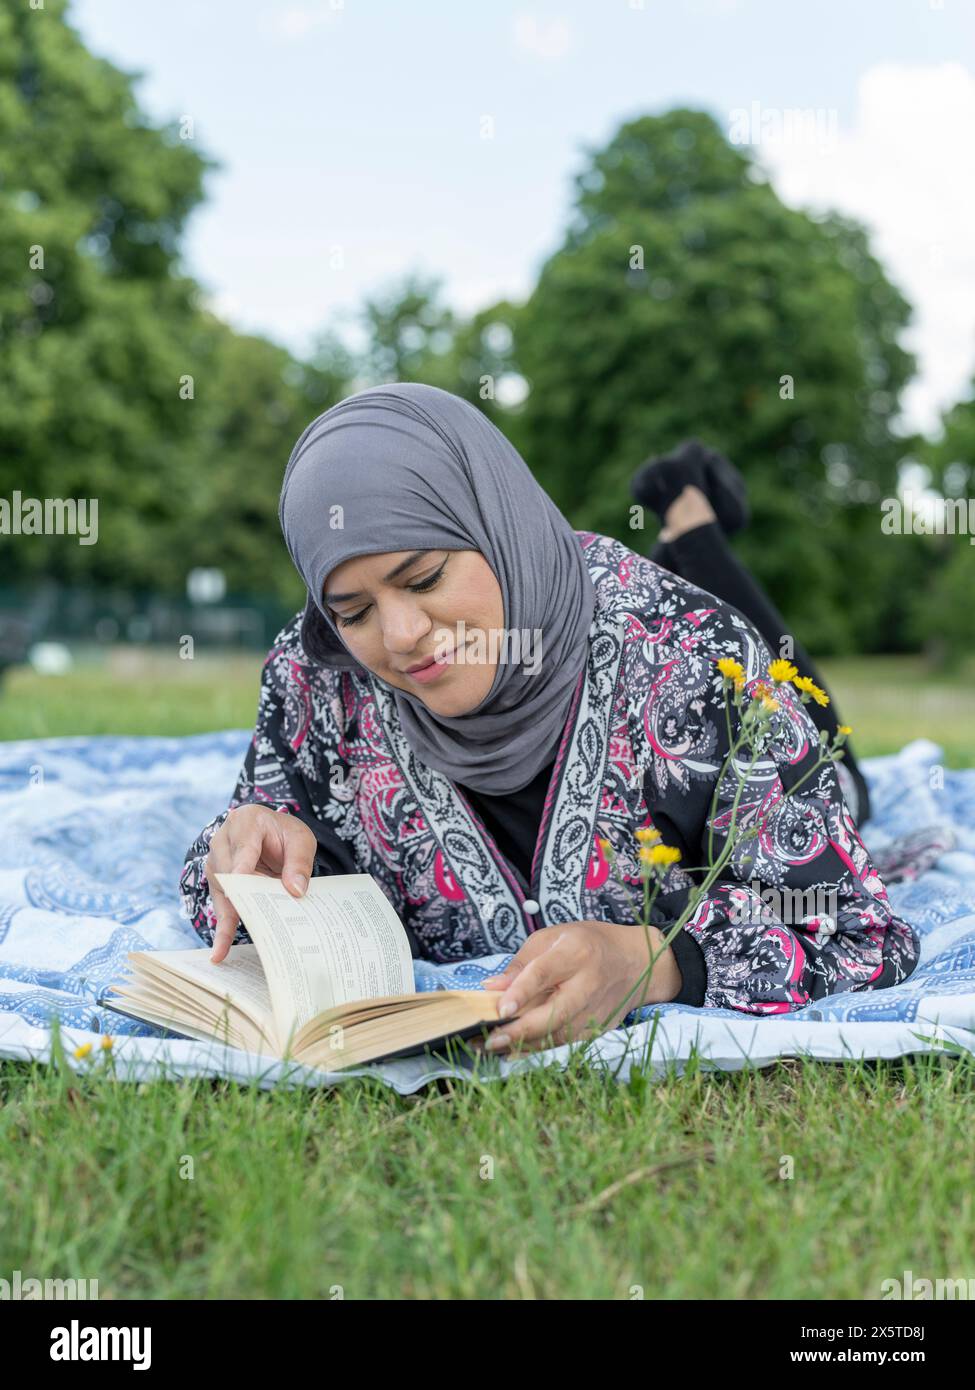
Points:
(414, 467)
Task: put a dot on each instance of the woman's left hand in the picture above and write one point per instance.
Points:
(572, 981)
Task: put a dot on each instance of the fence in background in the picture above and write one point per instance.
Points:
(51, 612)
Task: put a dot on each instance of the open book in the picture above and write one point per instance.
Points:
(327, 982)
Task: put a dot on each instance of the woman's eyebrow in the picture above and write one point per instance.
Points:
(403, 565)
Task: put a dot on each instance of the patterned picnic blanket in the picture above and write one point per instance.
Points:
(92, 837)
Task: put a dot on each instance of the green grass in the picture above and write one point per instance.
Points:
(673, 1186)
(131, 690)
(889, 700)
(552, 1185)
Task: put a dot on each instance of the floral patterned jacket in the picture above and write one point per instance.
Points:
(643, 745)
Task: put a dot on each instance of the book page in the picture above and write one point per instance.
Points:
(240, 975)
(342, 941)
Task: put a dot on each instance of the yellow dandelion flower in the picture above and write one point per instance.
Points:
(648, 835)
(82, 1051)
(769, 703)
(810, 687)
(659, 855)
(762, 690)
(739, 683)
(107, 1042)
(782, 670)
(731, 670)
(845, 729)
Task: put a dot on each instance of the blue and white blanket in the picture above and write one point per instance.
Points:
(92, 837)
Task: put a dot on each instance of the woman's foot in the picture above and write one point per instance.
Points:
(660, 481)
(688, 511)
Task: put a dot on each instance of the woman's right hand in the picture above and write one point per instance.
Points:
(256, 840)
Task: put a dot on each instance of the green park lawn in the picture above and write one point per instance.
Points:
(553, 1184)
(887, 700)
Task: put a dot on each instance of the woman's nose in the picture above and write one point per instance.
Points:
(404, 626)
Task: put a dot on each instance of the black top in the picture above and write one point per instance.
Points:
(514, 820)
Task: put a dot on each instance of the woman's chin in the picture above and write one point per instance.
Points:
(455, 695)
(451, 706)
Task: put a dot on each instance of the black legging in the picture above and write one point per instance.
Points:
(703, 557)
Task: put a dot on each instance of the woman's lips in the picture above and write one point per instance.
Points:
(426, 674)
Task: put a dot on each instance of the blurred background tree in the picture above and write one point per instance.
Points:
(95, 316)
(119, 385)
(942, 620)
(685, 299)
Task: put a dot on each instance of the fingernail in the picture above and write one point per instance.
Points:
(497, 1040)
(300, 882)
(508, 1008)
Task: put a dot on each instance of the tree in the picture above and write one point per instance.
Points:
(409, 333)
(94, 314)
(688, 300)
(254, 402)
(120, 387)
(943, 617)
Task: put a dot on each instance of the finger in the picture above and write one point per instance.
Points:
(548, 1027)
(243, 855)
(507, 976)
(299, 858)
(502, 979)
(542, 1026)
(223, 908)
(227, 923)
(537, 944)
(541, 975)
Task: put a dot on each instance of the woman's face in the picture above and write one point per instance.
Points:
(402, 608)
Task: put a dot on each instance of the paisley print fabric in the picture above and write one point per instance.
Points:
(799, 911)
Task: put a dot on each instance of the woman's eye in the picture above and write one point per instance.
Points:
(421, 588)
(426, 584)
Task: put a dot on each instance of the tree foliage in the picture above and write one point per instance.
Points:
(119, 386)
(685, 299)
(688, 300)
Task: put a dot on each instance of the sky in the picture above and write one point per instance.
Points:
(362, 140)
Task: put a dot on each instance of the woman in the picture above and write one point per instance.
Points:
(480, 793)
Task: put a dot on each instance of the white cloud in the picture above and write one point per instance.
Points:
(546, 39)
(907, 170)
(295, 21)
